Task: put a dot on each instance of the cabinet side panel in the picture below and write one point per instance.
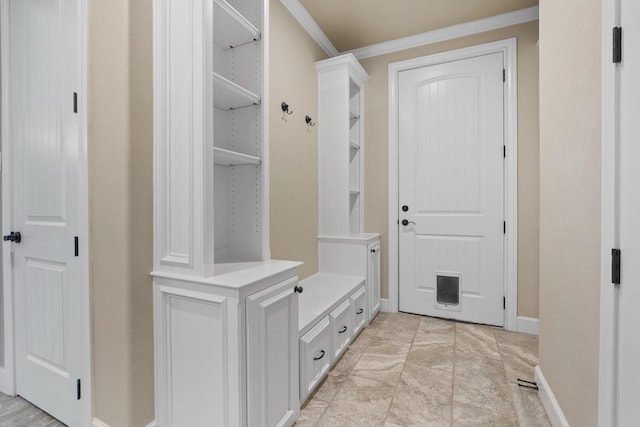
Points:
(196, 345)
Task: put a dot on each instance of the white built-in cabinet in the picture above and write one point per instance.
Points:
(225, 315)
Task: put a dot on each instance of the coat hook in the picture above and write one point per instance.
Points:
(309, 121)
(285, 110)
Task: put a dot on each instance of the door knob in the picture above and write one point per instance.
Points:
(407, 222)
(13, 237)
(405, 208)
(298, 289)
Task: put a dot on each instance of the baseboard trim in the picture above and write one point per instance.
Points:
(528, 325)
(551, 405)
(97, 423)
(384, 305)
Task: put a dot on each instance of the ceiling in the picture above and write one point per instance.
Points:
(351, 24)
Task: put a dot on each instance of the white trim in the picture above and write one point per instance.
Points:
(7, 374)
(528, 325)
(310, 25)
(608, 370)
(509, 49)
(97, 423)
(551, 405)
(448, 33)
(384, 305)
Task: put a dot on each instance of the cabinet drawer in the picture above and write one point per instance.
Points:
(315, 357)
(358, 301)
(341, 328)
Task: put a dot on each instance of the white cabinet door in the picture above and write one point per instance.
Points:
(272, 356)
(341, 329)
(358, 303)
(315, 357)
(373, 280)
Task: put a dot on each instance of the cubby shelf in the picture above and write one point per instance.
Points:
(222, 157)
(229, 95)
(230, 28)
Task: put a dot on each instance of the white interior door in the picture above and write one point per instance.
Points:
(629, 217)
(451, 190)
(44, 73)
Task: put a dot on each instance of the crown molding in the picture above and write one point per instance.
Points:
(310, 25)
(448, 33)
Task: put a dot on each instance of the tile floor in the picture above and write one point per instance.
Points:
(406, 370)
(17, 412)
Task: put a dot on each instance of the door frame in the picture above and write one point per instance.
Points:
(508, 48)
(7, 372)
(609, 293)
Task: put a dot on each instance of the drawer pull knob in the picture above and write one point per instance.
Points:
(343, 330)
(298, 289)
(360, 311)
(321, 355)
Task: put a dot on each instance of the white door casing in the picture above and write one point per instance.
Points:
(508, 49)
(451, 189)
(44, 198)
(619, 378)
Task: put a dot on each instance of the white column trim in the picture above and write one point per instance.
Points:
(509, 49)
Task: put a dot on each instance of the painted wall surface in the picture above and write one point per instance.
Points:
(377, 150)
(121, 216)
(570, 156)
(293, 146)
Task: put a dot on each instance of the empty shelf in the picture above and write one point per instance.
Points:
(227, 95)
(230, 28)
(224, 157)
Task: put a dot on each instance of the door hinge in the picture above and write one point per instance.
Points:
(504, 303)
(615, 266)
(617, 45)
(504, 227)
(79, 389)
(76, 245)
(75, 102)
(504, 75)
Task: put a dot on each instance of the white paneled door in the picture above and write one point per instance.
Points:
(629, 217)
(451, 190)
(44, 74)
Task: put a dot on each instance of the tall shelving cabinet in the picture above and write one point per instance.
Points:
(343, 247)
(217, 294)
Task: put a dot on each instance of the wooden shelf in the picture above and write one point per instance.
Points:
(224, 157)
(228, 95)
(230, 28)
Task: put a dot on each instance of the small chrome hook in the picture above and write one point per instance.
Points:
(285, 110)
(309, 121)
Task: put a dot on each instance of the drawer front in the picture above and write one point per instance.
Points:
(341, 329)
(358, 304)
(315, 357)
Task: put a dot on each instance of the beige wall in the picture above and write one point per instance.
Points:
(120, 175)
(293, 150)
(570, 84)
(377, 150)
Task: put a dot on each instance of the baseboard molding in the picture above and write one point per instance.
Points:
(384, 305)
(97, 423)
(528, 325)
(549, 401)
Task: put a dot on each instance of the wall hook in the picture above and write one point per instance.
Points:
(309, 121)
(285, 110)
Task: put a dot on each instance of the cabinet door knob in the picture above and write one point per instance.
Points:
(342, 331)
(373, 251)
(298, 289)
(321, 355)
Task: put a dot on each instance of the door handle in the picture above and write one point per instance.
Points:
(298, 289)
(15, 237)
(321, 355)
(406, 222)
(343, 330)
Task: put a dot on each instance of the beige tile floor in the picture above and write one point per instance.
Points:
(406, 370)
